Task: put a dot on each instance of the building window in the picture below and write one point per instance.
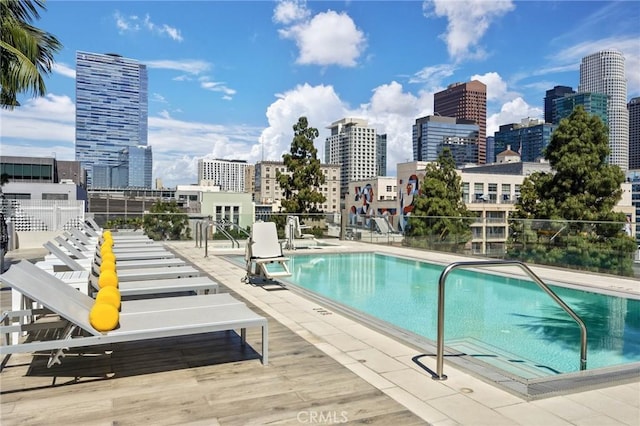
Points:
(55, 196)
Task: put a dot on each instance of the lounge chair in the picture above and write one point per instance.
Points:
(59, 257)
(138, 319)
(141, 240)
(137, 274)
(80, 252)
(264, 250)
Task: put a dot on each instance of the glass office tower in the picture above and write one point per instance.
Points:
(432, 134)
(111, 116)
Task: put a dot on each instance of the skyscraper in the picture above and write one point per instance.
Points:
(634, 133)
(352, 144)
(603, 72)
(551, 95)
(111, 117)
(529, 137)
(381, 154)
(593, 103)
(432, 134)
(466, 101)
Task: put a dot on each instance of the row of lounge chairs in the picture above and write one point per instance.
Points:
(47, 289)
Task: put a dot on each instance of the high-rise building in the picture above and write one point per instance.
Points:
(528, 138)
(140, 167)
(381, 154)
(111, 116)
(551, 95)
(604, 72)
(593, 103)
(432, 134)
(634, 133)
(467, 101)
(352, 144)
(229, 175)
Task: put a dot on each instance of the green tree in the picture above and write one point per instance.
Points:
(301, 184)
(572, 206)
(439, 213)
(27, 52)
(165, 221)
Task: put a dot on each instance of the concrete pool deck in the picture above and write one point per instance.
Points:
(381, 361)
(388, 364)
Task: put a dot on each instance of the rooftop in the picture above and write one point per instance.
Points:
(324, 368)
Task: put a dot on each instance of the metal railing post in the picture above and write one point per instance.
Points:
(206, 239)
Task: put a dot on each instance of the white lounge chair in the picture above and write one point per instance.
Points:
(77, 274)
(137, 274)
(59, 257)
(138, 319)
(263, 254)
(80, 252)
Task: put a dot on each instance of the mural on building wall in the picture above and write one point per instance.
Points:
(407, 193)
(365, 210)
(362, 205)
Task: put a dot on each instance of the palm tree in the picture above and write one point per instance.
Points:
(27, 52)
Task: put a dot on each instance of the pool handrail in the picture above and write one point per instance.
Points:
(532, 275)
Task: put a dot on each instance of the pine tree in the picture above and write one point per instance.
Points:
(301, 184)
(574, 203)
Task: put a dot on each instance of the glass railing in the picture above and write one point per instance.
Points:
(604, 247)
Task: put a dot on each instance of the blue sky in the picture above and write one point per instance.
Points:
(229, 79)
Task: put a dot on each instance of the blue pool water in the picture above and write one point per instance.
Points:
(486, 314)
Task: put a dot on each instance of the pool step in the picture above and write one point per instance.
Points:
(507, 361)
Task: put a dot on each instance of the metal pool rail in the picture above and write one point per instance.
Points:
(534, 277)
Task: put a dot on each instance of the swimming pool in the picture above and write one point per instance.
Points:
(505, 321)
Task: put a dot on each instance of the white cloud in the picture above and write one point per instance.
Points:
(433, 76)
(496, 87)
(125, 24)
(43, 126)
(390, 110)
(190, 66)
(467, 23)
(288, 11)
(64, 69)
(320, 104)
(393, 111)
(172, 32)
(177, 145)
(133, 23)
(217, 86)
(329, 38)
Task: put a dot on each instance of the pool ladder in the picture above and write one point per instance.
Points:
(534, 277)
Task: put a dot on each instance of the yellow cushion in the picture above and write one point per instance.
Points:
(110, 295)
(108, 257)
(107, 265)
(104, 316)
(108, 278)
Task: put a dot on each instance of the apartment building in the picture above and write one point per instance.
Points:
(268, 192)
(353, 145)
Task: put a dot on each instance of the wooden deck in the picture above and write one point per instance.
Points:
(205, 379)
